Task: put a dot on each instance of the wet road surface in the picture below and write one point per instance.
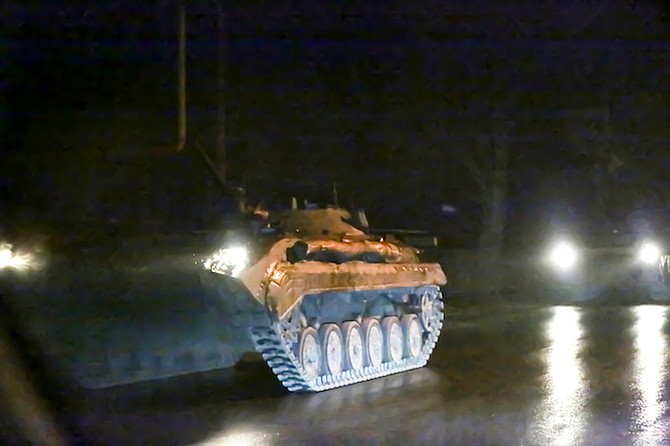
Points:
(501, 375)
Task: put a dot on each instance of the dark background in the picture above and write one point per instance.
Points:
(390, 100)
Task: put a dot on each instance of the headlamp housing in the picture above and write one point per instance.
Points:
(231, 261)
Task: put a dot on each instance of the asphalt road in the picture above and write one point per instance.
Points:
(501, 375)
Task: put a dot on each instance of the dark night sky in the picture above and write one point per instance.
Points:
(385, 100)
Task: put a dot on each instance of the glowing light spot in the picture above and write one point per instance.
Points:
(14, 260)
(563, 256)
(561, 419)
(651, 352)
(230, 261)
(251, 438)
(649, 253)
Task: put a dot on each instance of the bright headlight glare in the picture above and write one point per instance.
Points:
(5, 255)
(563, 255)
(649, 253)
(10, 259)
(231, 261)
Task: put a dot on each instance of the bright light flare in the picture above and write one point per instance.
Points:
(14, 260)
(240, 438)
(651, 355)
(563, 255)
(561, 416)
(229, 261)
(649, 253)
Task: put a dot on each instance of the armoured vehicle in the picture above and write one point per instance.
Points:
(141, 267)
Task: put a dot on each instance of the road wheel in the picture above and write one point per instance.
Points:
(309, 353)
(374, 342)
(412, 334)
(354, 357)
(426, 309)
(332, 347)
(393, 339)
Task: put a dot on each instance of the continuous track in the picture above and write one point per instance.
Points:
(280, 357)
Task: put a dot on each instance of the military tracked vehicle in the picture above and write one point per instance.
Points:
(341, 306)
(142, 267)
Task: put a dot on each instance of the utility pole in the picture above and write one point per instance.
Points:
(181, 79)
(220, 156)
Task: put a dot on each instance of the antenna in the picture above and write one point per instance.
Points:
(335, 201)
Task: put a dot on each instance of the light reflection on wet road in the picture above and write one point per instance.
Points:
(501, 375)
(649, 372)
(562, 415)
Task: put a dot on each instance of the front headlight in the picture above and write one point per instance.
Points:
(16, 260)
(563, 256)
(230, 261)
(649, 253)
